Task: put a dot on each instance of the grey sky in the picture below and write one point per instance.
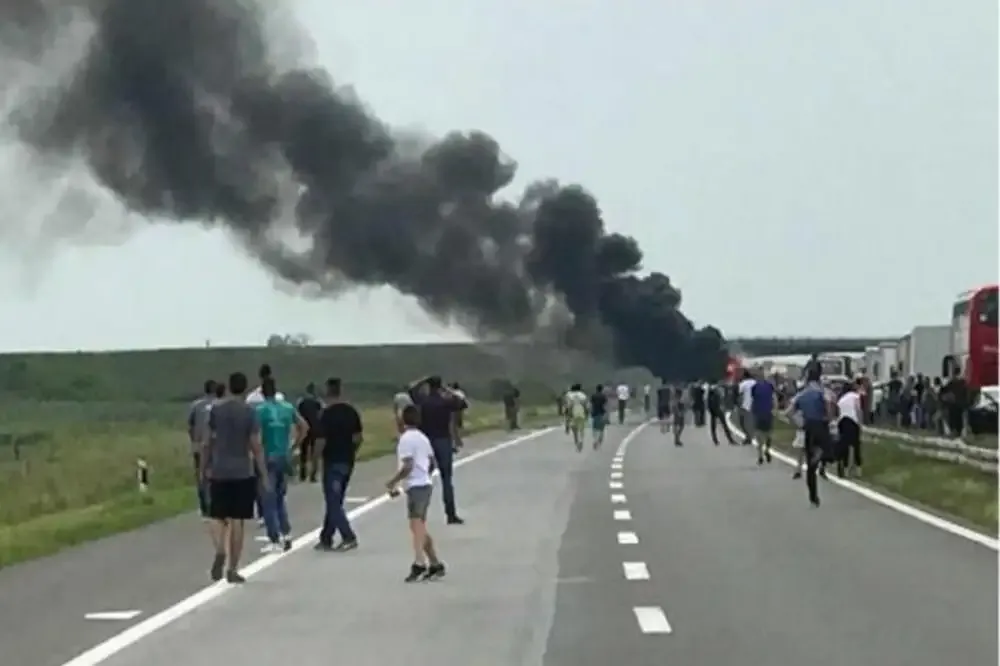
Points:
(765, 154)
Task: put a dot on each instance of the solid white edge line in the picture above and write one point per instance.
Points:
(622, 514)
(112, 646)
(635, 570)
(617, 498)
(628, 538)
(889, 502)
(652, 620)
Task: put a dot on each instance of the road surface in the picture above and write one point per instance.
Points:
(664, 555)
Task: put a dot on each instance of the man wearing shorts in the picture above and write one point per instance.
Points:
(762, 413)
(598, 415)
(231, 452)
(576, 411)
(416, 467)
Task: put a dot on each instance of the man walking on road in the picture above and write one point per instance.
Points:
(664, 396)
(278, 421)
(576, 412)
(598, 415)
(762, 408)
(745, 409)
(437, 408)
(716, 416)
(197, 433)
(309, 408)
(340, 435)
(812, 405)
(231, 451)
(416, 466)
(623, 393)
(679, 409)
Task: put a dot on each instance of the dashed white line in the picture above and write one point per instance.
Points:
(628, 538)
(616, 465)
(623, 514)
(652, 620)
(618, 498)
(635, 570)
(615, 485)
(122, 615)
(616, 475)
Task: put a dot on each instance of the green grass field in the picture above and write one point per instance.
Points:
(73, 476)
(966, 494)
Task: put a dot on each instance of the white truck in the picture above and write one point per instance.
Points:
(927, 346)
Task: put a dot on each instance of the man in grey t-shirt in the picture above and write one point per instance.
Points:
(231, 451)
(197, 432)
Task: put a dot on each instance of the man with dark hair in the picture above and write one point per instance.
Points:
(231, 450)
(437, 408)
(257, 396)
(309, 408)
(813, 407)
(338, 439)
(416, 467)
(197, 432)
(278, 422)
(220, 390)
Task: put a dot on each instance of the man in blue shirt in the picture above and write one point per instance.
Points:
(278, 420)
(815, 411)
(762, 412)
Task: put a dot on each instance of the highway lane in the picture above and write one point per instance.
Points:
(746, 572)
(717, 561)
(43, 603)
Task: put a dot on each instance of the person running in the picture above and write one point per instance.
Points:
(679, 408)
(717, 416)
(812, 406)
(231, 450)
(624, 393)
(745, 406)
(663, 400)
(197, 433)
(309, 408)
(762, 414)
(598, 415)
(282, 430)
(576, 410)
(416, 467)
(849, 419)
(340, 435)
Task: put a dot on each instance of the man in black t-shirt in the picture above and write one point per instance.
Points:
(598, 415)
(438, 406)
(339, 435)
(664, 397)
(716, 415)
(309, 408)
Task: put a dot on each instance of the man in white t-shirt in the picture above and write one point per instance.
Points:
(416, 468)
(256, 396)
(849, 422)
(623, 394)
(745, 407)
(575, 405)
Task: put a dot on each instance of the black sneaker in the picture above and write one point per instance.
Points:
(417, 572)
(767, 455)
(217, 565)
(435, 571)
(797, 474)
(323, 547)
(455, 520)
(814, 501)
(287, 544)
(235, 577)
(760, 460)
(345, 546)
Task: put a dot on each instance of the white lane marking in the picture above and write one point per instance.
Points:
(615, 485)
(261, 538)
(356, 500)
(105, 650)
(623, 514)
(616, 465)
(628, 538)
(618, 458)
(616, 475)
(617, 498)
(652, 620)
(113, 615)
(635, 570)
(890, 503)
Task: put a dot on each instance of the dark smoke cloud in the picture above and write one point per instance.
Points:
(178, 108)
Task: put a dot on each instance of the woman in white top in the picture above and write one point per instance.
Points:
(849, 419)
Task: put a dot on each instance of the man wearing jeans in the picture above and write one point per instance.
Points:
(338, 439)
(278, 419)
(812, 404)
(437, 410)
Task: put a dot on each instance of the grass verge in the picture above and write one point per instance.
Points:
(85, 489)
(963, 493)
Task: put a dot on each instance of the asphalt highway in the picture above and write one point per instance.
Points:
(640, 553)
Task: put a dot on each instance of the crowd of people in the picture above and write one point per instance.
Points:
(245, 445)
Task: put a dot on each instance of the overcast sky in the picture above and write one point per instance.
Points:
(797, 168)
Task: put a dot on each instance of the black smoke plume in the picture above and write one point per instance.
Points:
(179, 109)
